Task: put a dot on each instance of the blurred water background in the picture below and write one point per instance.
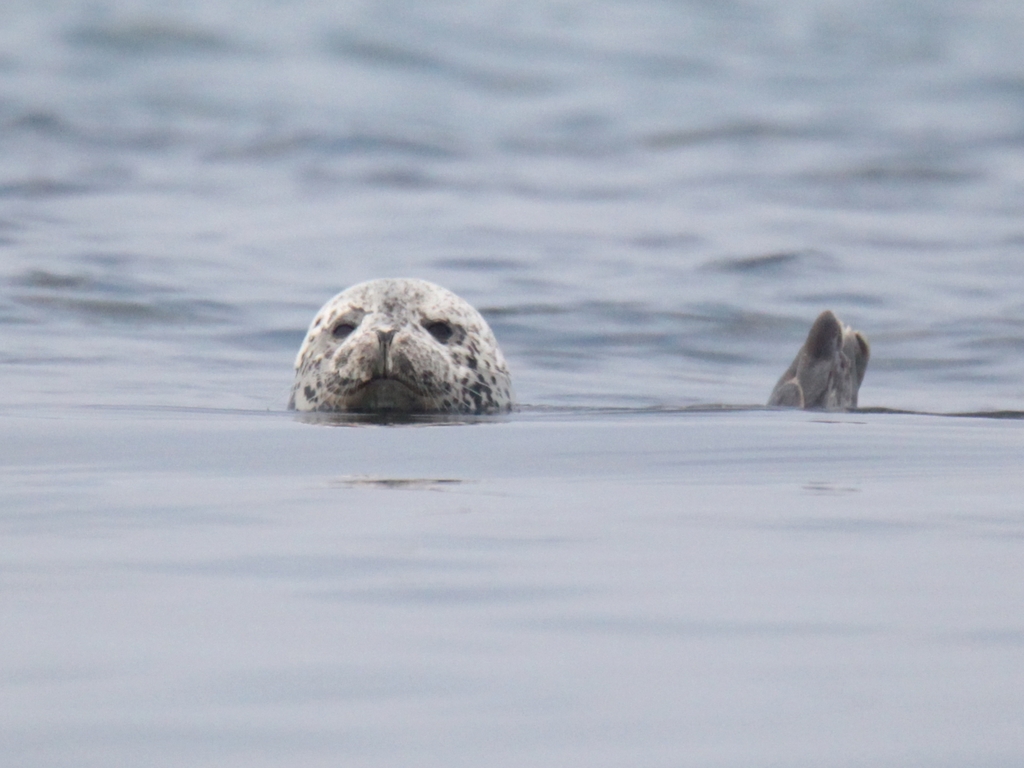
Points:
(649, 201)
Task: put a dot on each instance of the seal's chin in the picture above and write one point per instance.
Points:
(385, 396)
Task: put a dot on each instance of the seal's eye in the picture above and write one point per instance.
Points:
(440, 330)
(341, 330)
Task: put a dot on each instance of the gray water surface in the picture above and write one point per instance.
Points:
(650, 202)
(656, 589)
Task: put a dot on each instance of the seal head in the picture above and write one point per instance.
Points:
(828, 369)
(404, 346)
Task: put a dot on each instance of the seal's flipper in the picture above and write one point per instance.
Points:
(856, 347)
(787, 394)
(828, 369)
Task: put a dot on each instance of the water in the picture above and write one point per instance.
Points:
(650, 202)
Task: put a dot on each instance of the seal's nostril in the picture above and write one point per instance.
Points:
(385, 337)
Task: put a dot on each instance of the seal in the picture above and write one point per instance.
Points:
(828, 369)
(400, 345)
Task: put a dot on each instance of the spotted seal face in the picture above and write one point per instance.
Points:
(404, 346)
(828, 370)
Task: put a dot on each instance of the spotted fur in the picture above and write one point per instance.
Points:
(828, 369)
(400, 345)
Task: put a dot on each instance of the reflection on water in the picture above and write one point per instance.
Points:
(400, 483)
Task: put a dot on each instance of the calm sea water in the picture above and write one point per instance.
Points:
(650, 202)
